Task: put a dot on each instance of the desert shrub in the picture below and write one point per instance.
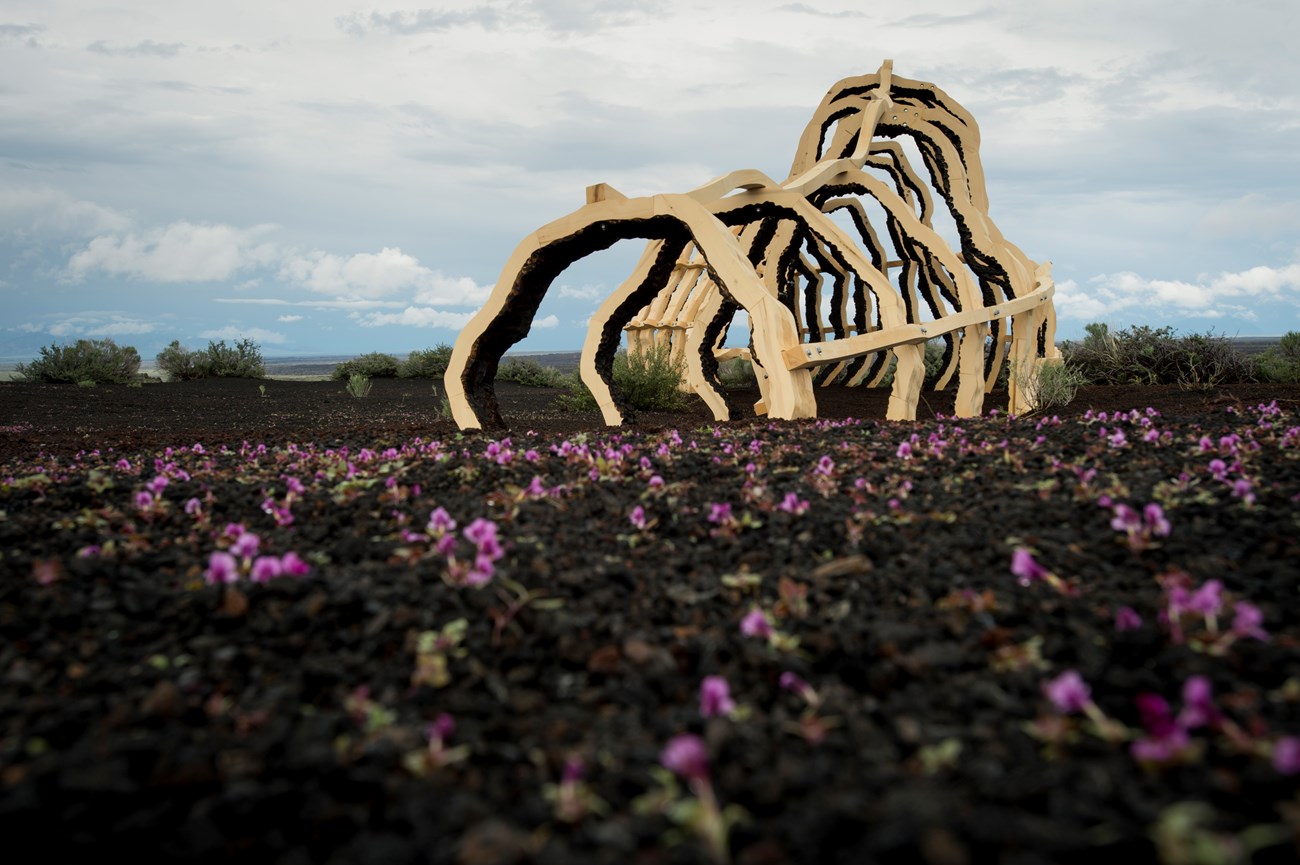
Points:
(737, 372)
(530, 373)
(1053, 384)
(1145, 355)
(98, 361)
(218, 360)
(427, 363)
(376, 364)
(359, 385)
(1281, 363)
(649, 380)
(934, 351)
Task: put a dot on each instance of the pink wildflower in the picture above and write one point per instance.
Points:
(222, 568)
(1026, 568)
(245, 546)
(440, 521)
(1127, 619)
(688, 756)
(1198, 704)
(1248, 621)
(1068, 692)
(755, 624)
(1286, 755)
(293, 566)
(792, 504)
(265, 569)
(719, 513)
(637, 518)
(715, 697)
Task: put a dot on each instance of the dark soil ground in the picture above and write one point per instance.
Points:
(146, 712)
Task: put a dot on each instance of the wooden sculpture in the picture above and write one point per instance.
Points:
(744, 241)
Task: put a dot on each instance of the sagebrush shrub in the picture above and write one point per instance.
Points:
(648, 380)
(1281, 363)
(530, 373)
(1145, 355)
(376, 364)
(427, 363)
(97, 361)
(1053, 384)
(218, 360)
(737, 372)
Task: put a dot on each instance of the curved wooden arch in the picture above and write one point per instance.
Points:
(743, 241)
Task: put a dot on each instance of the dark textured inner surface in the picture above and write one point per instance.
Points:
(530, 286)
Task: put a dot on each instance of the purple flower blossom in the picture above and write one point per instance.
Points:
(1198, 704)
(1165, 739)
(825, 466)
(755, 624)
(1208, 599)
(904, 451)
(222, 568)
(481, 532)
(1286, 755)
(193, 506)
(1068, 692)
(1127, 619)
(441, 728)
(157, 485)
(719, 513)
(715, 697)
(1218, 469)
(573, 771)
(792, 504)
(1026, 568)
(1153, 516)
(1248, 621)
(637, 518)
(265, 569)
(688, 756)
(294, 566)
(245, 546)
(440, 521)
(1125, 519)
(143, 500)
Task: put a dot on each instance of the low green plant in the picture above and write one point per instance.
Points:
(1052, 384)
(1145, 355)
(737, 372)
(359, 385)
(426, 363)
(648, 380)
(443, 403)
(98, 361)
(529, 373)
(1281, 363)
(90, 382)
(376, 364)
(218, 360)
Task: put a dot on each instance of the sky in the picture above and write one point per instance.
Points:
(328, 177)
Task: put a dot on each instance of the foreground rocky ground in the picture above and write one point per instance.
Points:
(303, 627)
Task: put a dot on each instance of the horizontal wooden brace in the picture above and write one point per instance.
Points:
(817, 353)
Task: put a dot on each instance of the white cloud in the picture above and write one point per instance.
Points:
(547, 322)
(236, 333)
(92, 323)
(417, 316)
(585, 292)
(147, 48)
(179, 252)
(287, 319)
(1251, 215)
(375, 275)
(43, 209)
(1226, 294)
